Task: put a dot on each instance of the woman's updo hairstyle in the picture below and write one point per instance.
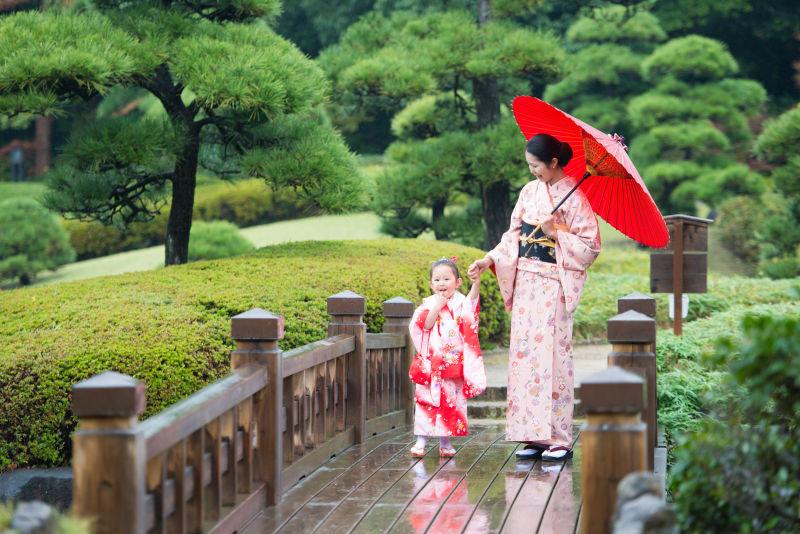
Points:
(546, 147)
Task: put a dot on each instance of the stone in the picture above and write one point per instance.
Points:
(52, 486)
(33, 517)
(641, 508)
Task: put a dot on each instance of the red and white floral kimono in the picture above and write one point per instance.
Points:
(542, 298)
(448, 367)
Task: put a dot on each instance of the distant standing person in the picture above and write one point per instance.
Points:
(540, 265)
(17, 162)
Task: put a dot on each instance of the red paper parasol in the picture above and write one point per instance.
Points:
(610, 181)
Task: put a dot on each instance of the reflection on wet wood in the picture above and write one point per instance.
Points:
(378, 487)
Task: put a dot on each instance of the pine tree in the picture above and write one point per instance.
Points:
(233, 97)
(695, 124)
(604, 72)
(447, 75)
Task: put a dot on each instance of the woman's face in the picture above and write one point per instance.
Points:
(542, 171)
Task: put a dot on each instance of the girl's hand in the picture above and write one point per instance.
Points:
(439, 301)
(478, 266)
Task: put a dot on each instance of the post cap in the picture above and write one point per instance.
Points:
(257, 325)
(637, 302)
(612, 390)
(346, 303)
(398, 307)
(631, 327)
(108, 394)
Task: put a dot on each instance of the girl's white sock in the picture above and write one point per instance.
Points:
(421, 441)
(444, 443)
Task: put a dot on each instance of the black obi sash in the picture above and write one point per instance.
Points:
(535, 250)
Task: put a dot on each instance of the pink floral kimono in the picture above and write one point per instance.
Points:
(448, 367)
(542, 298)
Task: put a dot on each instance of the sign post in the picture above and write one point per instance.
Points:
(684, 267)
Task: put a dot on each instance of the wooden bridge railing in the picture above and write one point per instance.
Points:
(210, 462)
(620, 404)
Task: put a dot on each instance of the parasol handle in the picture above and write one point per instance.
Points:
(585, 176)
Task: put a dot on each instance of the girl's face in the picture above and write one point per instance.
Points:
(444, 281)
(544, 172)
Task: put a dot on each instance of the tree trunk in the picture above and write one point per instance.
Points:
(437, 212)
(44, 128)
(176, 249)
(496, 211)
(494, 197)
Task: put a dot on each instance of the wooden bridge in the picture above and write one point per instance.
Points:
(317, 438)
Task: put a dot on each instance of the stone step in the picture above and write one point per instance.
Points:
(494, 393)
(492, 405)
(486, 409)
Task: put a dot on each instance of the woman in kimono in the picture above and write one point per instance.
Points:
(541, 264)
(448, 367)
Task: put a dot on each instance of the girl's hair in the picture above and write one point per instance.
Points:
(546, 147)
(450, 262)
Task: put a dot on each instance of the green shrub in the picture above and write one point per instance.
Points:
(31, 241)
(215, 240)
(780, 268)
(736, 222)
(171, 327)
(244, 203)
(688, 388)
(739, 473)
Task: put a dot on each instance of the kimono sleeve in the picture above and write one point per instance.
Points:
(474, 370)
(506, 253)
(580, 246)
(420, 370)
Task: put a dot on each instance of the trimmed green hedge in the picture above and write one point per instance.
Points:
(170, 327)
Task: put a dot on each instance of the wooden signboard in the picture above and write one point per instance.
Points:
(683, 266)
(695, 269)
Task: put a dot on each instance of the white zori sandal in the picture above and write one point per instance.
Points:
(556, 453)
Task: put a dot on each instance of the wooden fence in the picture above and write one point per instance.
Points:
(210, 462)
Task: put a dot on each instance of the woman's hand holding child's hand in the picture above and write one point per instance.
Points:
(477, 267)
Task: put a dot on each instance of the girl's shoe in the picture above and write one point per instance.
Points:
(556, 453)
(417, 451)
(530, 451)
(447, 453)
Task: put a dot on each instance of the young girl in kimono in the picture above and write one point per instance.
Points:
(448, 367)
(541, 264)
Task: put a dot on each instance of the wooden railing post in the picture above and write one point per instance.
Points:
(256, 333)
(632, 336)
(647, 305)
(613, 442)
(397, 314)
(108, 453)
(347, 317)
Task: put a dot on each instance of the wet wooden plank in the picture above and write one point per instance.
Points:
(561, 515)
(316, 511)
(273, 517)
(494, 504)
(535, 495)
(315, 459)
(427, 504)
(389, 506)
(457, 510)
(532, 499)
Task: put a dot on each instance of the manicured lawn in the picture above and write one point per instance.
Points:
(21, 189)
(327, 227)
